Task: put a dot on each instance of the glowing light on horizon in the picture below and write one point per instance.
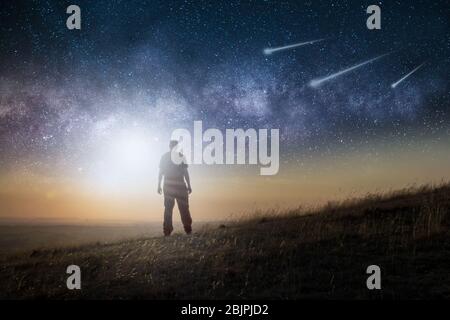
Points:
(126, 161)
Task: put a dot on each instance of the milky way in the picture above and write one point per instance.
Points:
(162, 65)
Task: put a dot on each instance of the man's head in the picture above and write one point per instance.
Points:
(173, 144)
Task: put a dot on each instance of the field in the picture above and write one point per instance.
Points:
(314, 254)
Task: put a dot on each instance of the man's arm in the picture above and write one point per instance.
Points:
(160, 176)
(188, 179)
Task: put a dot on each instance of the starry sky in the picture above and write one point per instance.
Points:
(145, 68)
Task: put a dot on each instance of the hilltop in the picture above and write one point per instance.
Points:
(297, 254)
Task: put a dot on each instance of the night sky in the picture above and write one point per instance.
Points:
(159, 65)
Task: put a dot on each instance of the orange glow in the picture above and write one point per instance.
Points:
(224, 191)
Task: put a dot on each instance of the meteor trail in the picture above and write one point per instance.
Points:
(268, 51)
(317, 82)
(406, 76)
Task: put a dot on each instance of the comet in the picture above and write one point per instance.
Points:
(406, 76)
(268, 51)
(317, 82)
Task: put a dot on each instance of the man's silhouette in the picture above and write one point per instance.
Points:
(176, 176)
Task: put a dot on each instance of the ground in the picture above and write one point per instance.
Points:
(297, 254)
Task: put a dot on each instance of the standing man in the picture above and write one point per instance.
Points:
(177, 186)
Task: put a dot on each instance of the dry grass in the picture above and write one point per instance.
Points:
(275, 255)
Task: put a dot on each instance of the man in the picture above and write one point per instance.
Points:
(176, 176)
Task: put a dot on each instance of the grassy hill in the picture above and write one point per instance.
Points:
(296, 254)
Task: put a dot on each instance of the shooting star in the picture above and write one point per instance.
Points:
(268, 51)
(406, 76)
(317, 82)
